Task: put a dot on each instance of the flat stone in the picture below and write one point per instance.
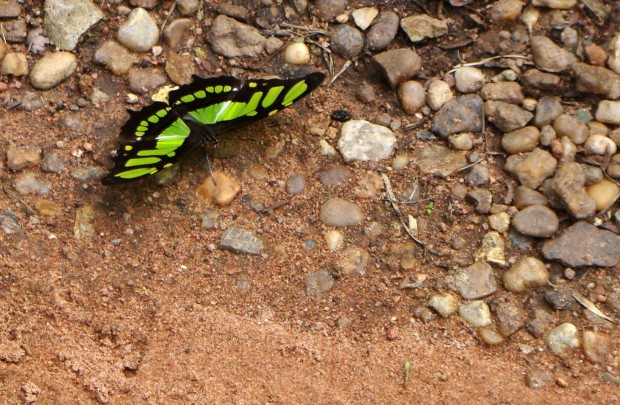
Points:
(333, 175)
(510, 317)
(463, 114)
(476, 281)
(562, 340)
(540, 320)
(295, 184)
(505, 116)
(510, 92)
(52, 69)
(608, 112)
(541, 80)
(145, 81)
(469, 79)
(583, 244)
(10, 9)
(538, 378)
(439, 161)
(362, 140)
(556, 4)
(180, 68)
(536, 220)
(596, 346)
(115, 57)
(14, 63)
(421, 26)
(444, 304)
(482, 198)
(532, 168)
(570, 126)
(339, 212)
(231, 38)
(29, 183)
(67, 20)
(597, 80)
(398, 65)
(52, 163)
(561, 299)
(550, 57)
(568, 184)
(476, 313)
(23, 157)
(239, 240)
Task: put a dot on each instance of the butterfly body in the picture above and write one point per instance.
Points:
(157, 136)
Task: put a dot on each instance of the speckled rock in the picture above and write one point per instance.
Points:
(231, 38)
(499, 222)
(550, 57)
(476, 313)
(505, 116)
(328, 10)
(540, 320)
(526, 273)
(463, 114)
(398, 65)
(180, 68)
(547, 110)
(525, 197)
(439, 93)
(382, 33)
(483, 198)
(521, 140)
(52, 163)
(67, 20)
(412, 96)
(354, 261)
(583, 244)
(143, 81)
(239, 240)
(176, 30)
(421, 26)
(510, 317)
(339, 212)
(140, 32)
(439, 161)
(536, 220)
(14, 63)
(318, 283)
(23, 157)
(541, 80)
(347, 41)
(52, 69)
(562, 340)
(469, 79)
(561, 299)
(510, 92)
(116, 58)
(569, 185)
(362, 140)
(597, 80)
(475, 281)
(596, 346)
(445, 304)
(29, 183)
(531, 168)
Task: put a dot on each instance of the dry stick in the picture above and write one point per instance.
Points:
(401, 217)
(346, 65)
(483, 61)
(470, 165)
(168, 16)
(29, 209)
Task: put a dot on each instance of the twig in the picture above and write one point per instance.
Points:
(29, 209)
(168, 16)
(302, 28)
(483, 61)
(401, 217)
(470, 165)
(346, 65)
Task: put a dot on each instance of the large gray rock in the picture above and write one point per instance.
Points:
(67, 20)
(362, 140)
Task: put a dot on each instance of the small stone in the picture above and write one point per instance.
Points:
(527, 272)
(87, 173)
(605, 193)
(568, 125)
(180, 68)
(506, 11)
(522, 140)
(239, 240)
(145, 81)
(328, 10)
(237, 12)
(461, 141)
(445, 304)
(295, 184)
(547, 135)
(469, 79)
(273, 45)
(334, 240)
(140, 32)
(493, 249)
(362, 140)
(583, 244)
(561, 299)
(297, 53)
(400, 162)
(176, 30)
(116, 58)
(541, 80)
(231, 38)
(562, 340)
(398, 65)
(597, 80)
(23, 157)
(52, 163)
(476, 281)
(14, 31)
(568, 185)
(550, 57)
(52, 69)
(490, 337)
(548, 109)
(412, 96)
(597, 347)
(364, 16)
(596, 55)
(510, 92)
(421, 26)
(318, 283)
(439, 93)
(505, 116)
(476, 313)
(613, 169)
(482, 198)
(608, 112)
(463, 114)
(147, 4)
(11, 351)
(333, 175)
(538, 379)
(31, 101)
(510, 317)
(347, 41)
(188, 7)
(439, 161)
(339, 212)
(600, 145)
(478, 176)
(499, 222)
(219, 188)
(14, 63)
(209, 220)
(536, 220)
(424, 314)
(382, 33)
(540, 321)
(47, 207)
(10, 9)
(29, 183)
(557, 4)
(525, 197)
(354, 261)
(532, 168)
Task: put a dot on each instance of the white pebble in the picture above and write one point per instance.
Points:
(334, 240)
(599, 145)
(297, 53)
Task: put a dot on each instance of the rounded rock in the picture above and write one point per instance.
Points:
(14, 63)
(295, 184)
(382, 33)
(605, 193)
(525, 197)
(522, 140)
(339, 212)
(140, 32)
(439, 93)
(219, 188)
(568, 125)
(563, 339)
(398, 65)
(525, 273)
(469, 79)
(334, 240)
(412, 96)
(476, 313)
(461, 141)
(600, 145)
(490, 337)
(536, 220)
(52, 69)
(347, 41)
(297, 53)
(445, 304)
(328, 10)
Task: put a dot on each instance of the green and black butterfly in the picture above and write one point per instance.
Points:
(157, 136)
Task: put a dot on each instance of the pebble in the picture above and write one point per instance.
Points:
(561, 299)
(490, 337)
(478, 176)
(231, 38)
(334, 240)
(613, 169)
(398, 65)
(9, 222)
(347, 41)
(145, 81)
(362, 140)
(614, 54)
(510, 317)
(219, 188)
(180, 68)
(273, 45)
(52, 69)
(52, 163)
(505, 116)
(23, 157)
(499, 222)
(568, 125)
(522, 140)
(176, 30)
(3, 50)
(87, 173)
(493, 249)
(525, 197)
(536, 220)
(10, 9)
(541, 80)
(608, 112)
(506, 11)
(424, 314)
(550, 57)
(147, 4)
(557, 4)
(598, 128)
(412, 96)
(369, 186)
(562, 340)
(569, 186)
(547, 135)
(366, 93)
(531, 168)
(295, 184)
(14, 63)
(209, 220)
(463, 114)
(31, 101)
(188, 7)
(115, 57)
(439, 93)
(354, 261)
(364, 16)
(318, 283)
(65, 28)
(600, 145)
(597, 80)
(421, 26)
(605, 193)
(328, 10)
(596, 55)
(297, 53)
(400, 161)
(539, 322)
(583, 244)
(547, 110)
(461, 141)
(29, 183)
(483, 198)
(526, 273)
(238, 12)
(476, 281)
(469, 79)
(476, 313)
(239, 240)
(339, 212)
(382, 33)
(140, 32)
(47, 207)
(333, 174)
(444, 304)
(596, 346)
(14, 31)
(439, 161)
(510, 92)
(538, 378)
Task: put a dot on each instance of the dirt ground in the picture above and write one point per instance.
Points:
(149, 310)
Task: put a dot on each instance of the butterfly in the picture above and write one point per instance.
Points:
(161, 134)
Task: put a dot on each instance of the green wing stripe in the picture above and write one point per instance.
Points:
(135, 173)
(142, 161)
(294, 93)
(271, 96)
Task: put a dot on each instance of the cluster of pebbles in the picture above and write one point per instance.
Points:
(553, 111)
